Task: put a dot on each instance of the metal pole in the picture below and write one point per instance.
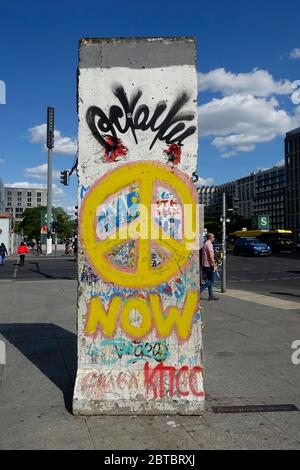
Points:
(223, 284)
(50, 145)
(49, 201)
(55, 244)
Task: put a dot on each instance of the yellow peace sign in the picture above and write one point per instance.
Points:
(146, 174)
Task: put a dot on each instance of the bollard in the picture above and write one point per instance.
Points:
(139, 319)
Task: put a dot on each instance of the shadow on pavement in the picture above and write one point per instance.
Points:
(47, 276)
(52, 349)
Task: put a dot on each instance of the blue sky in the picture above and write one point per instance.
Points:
(248, 59)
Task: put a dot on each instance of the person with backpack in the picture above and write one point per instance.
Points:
(22, 251)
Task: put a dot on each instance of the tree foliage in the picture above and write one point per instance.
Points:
(237, 222)
(31, 223)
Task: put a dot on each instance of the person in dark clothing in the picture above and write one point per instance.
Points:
(75, 247)
(3, 252)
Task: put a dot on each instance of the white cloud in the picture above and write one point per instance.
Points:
(62, 145)
(2, 160)
(257, 83)
(40, 172)
(204, 182)
(238, 122)
(25, 185)
(70, 210)
(295, 53)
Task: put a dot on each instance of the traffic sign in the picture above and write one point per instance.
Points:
(263, 222)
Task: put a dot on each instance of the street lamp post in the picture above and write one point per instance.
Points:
(223, 283)
(50, 145)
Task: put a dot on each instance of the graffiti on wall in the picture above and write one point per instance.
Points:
(169, 125)
(148, 314)
(182, 381)
(112, 351)
(139, 277)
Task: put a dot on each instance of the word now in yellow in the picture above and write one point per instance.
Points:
(151, 315)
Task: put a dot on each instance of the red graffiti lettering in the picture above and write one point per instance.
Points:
(154, 380)
(183, 370)
(194, 371)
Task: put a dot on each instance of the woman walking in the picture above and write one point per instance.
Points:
(22, 251)
(3, 252)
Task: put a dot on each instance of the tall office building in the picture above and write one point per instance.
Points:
(260, 193)
(292, 176)
(16, 200)
(1, 196)
(269, 195)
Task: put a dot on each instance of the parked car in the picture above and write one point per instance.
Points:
(278, 242)
(251, 246)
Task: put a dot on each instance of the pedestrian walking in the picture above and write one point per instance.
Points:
(209, 266)
(22, 251)
(3, 252)
(38, 248)
(75, 247)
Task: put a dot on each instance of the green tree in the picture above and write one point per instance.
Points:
(65, 224)
(31, 223)
(237, 222)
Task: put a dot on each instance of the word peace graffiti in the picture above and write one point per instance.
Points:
(139, 350)
(128, 116)
(181, 381)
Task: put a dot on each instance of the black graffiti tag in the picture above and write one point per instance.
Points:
(171, 129)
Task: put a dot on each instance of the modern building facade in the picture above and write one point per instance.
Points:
(16, 200)
(292, 177)
(269, 196)
(1, 196)
(260, 193)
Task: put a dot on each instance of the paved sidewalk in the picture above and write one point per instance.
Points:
(247, 349)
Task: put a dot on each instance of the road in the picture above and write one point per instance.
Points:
(39, 268)
(277, 275)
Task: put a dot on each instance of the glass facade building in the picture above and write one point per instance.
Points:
(292, 176)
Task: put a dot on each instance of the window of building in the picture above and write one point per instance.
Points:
(19, 213)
